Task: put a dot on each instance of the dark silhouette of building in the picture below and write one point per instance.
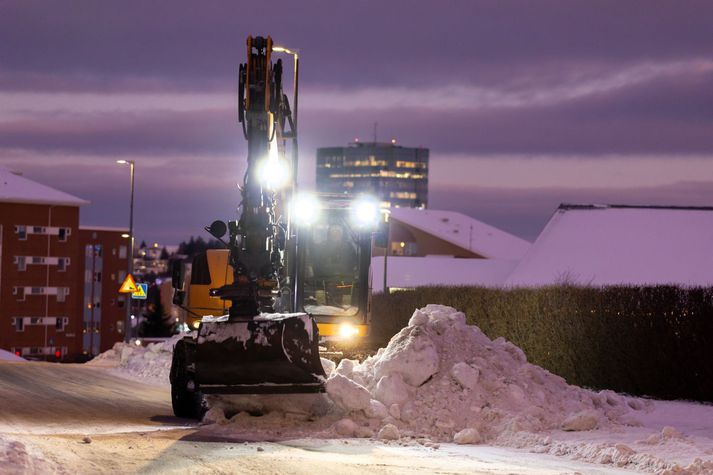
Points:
(397, 175)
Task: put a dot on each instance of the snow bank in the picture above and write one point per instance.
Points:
(440, 377)
(150, 363)
(8, 356)
(19, 458)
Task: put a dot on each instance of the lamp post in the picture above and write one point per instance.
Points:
(127, 323)
(293, 245)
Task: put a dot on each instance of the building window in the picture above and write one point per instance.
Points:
(61, 323)
(21, 232)
(122, 252)
(62, 293)
(37, 291)
(21, 263)
(38, 260)
(19, 292)
(39, 230)
(62, 264)
(19, 323)
(122, 275)
(64, 233)
(97, 277)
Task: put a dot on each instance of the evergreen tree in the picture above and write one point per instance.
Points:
(156, 324)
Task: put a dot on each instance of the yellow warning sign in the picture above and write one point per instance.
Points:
(141, 290)
(129, 286)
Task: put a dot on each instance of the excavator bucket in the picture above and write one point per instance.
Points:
(269, 354)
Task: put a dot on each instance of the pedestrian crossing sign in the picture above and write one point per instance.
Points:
(141, 291)
(129, 286)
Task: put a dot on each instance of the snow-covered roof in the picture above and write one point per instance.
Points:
(464, 231)
(616, 244)
(409, 272)
(18, 189)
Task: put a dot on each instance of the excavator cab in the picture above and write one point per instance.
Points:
(334, 271)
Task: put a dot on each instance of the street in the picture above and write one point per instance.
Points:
(80, 419)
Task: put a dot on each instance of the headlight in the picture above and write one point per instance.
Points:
(365, 212)
(273, 173)
(196, 324)
(304, 209)
(348, 330)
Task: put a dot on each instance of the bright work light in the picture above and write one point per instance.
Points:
(365, 212)
(348, 330)
(273, 173)
(304, 209)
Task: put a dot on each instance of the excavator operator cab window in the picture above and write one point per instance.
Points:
(331, 272)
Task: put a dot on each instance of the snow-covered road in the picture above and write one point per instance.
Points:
(47, 398)
(48, 410)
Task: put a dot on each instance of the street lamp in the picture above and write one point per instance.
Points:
(127, 323)
(295, 79)
(294, 248)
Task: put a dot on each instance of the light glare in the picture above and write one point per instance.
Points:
(365, 212)
(304, 209)
(348, 330)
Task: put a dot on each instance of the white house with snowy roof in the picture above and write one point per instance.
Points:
(436, 247)
(615, 244)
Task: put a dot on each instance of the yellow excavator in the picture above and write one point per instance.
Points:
(294, 272)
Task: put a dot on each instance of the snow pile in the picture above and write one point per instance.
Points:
(148, 363)
(444, 379)
(18, 458)
(8, 356)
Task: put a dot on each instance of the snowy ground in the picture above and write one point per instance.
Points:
(400, 411)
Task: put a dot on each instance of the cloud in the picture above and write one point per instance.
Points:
(510, 96)
(199, 132)
(157, 45)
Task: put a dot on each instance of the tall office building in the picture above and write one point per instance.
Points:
(397, 175)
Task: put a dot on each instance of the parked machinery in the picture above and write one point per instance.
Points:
(295, 266)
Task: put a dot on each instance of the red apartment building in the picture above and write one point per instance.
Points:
(104, 265)
(43, 270)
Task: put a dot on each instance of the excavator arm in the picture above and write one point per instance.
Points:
(252, 350)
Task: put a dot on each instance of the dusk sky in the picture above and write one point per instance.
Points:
(523, 104)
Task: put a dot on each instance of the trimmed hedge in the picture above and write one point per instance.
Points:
(653, 341)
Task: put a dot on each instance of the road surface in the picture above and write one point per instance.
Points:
(79, 419)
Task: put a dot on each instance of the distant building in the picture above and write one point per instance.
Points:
(151, 261)
(421, 232)
(397, 175)
(58, 281)
(600, 245)
(434, 247)
(104, 265)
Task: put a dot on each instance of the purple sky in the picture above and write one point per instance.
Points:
(524, 104)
